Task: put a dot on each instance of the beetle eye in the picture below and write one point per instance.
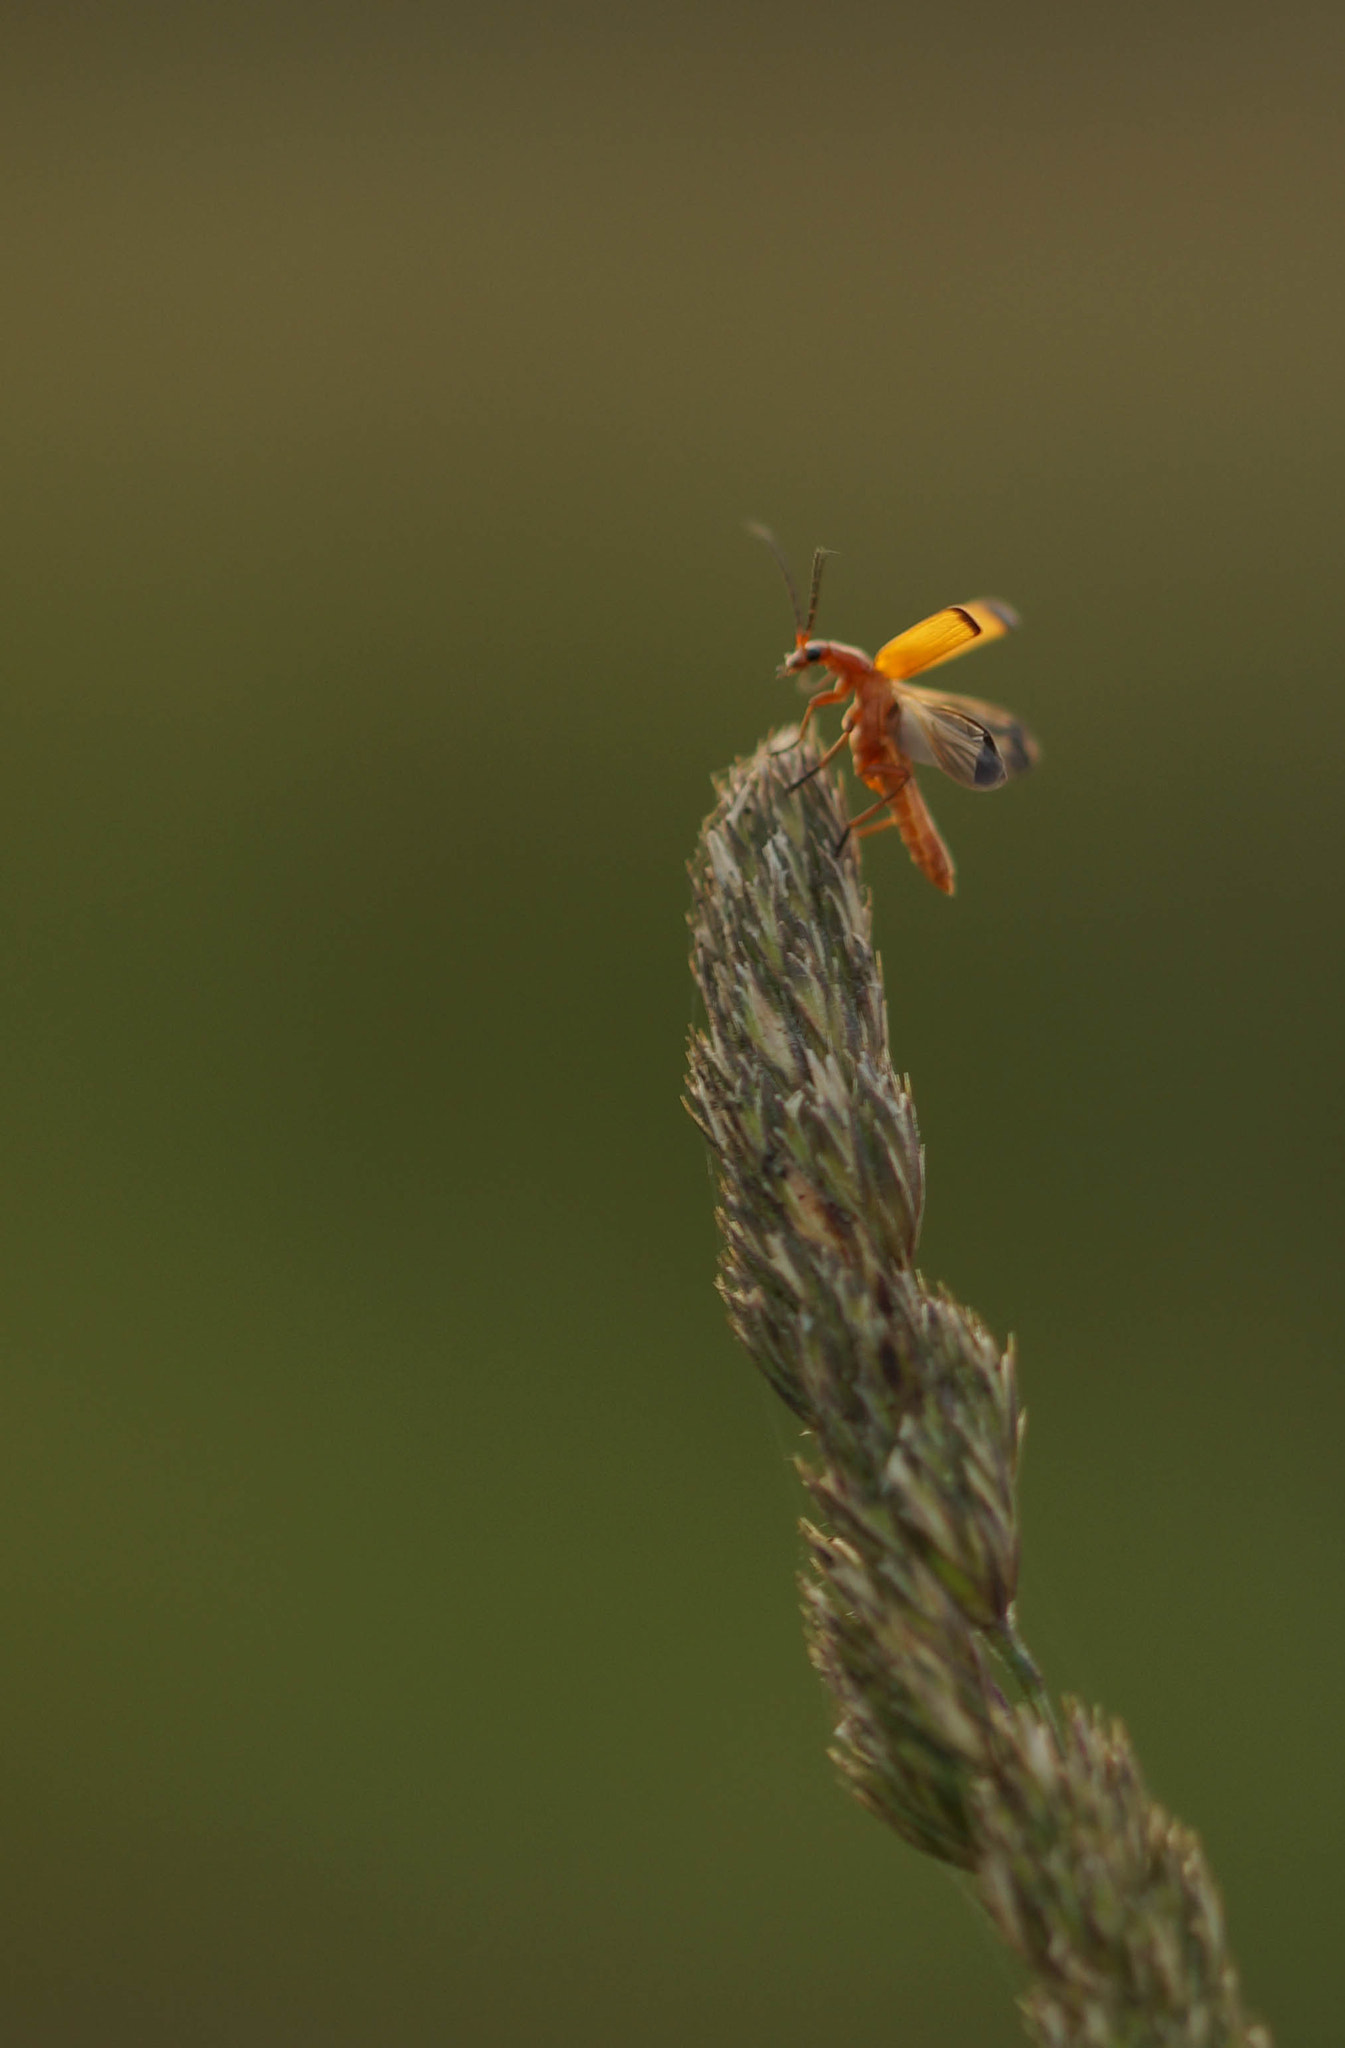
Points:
(814, 650)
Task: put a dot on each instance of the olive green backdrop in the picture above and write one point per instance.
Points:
(396, 1557)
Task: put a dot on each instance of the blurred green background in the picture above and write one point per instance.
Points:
(396, 1557)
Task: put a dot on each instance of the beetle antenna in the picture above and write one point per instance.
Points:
(764, 533)
(819, 564)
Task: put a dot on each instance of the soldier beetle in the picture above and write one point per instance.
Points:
(891, 725)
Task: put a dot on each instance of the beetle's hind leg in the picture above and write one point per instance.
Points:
(863, 819)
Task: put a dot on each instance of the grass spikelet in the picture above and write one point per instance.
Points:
(943, 1729)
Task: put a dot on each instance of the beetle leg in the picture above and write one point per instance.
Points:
(819, 764)
(814, 704)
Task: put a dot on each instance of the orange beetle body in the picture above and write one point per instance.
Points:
(890, 725)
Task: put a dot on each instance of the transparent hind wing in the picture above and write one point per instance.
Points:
(976, 744)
